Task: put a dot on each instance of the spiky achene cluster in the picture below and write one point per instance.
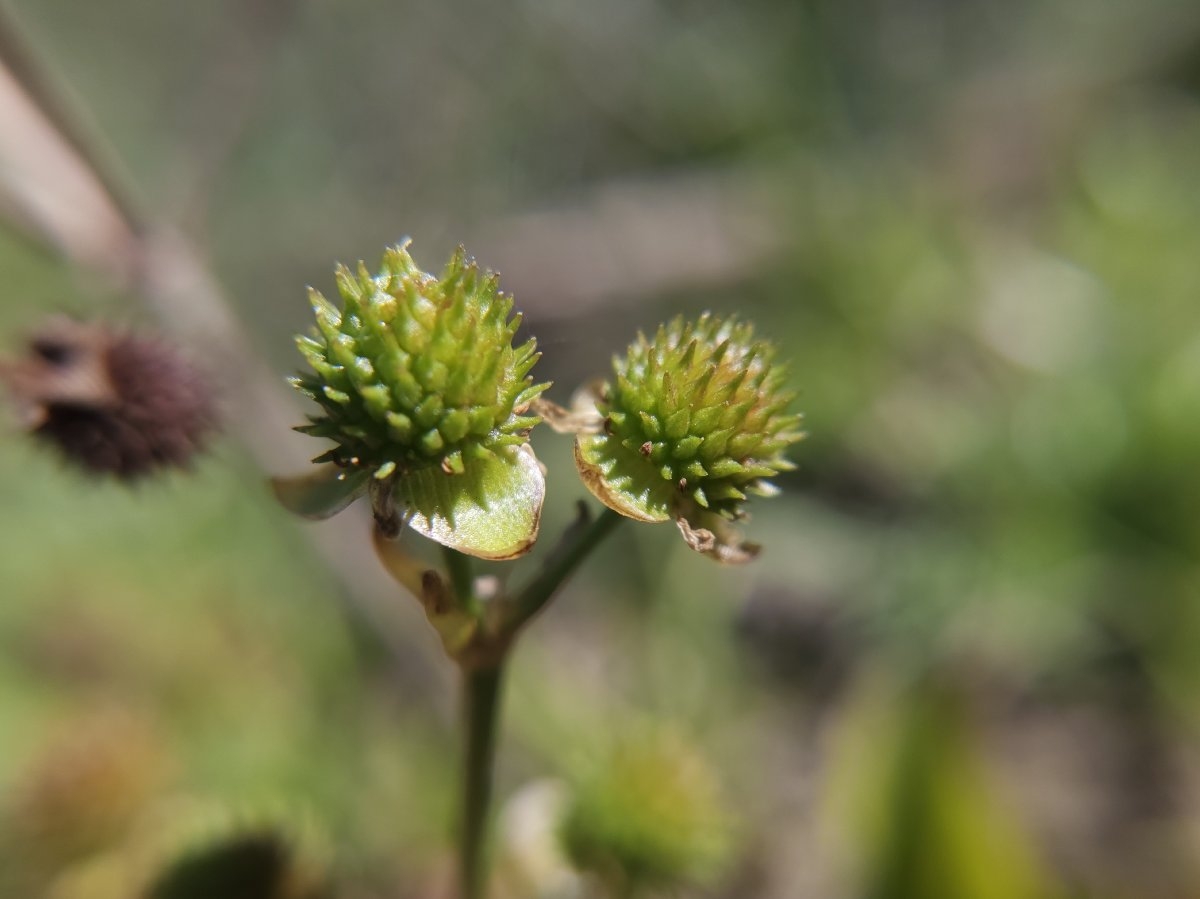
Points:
(700, 407)
(417, 371)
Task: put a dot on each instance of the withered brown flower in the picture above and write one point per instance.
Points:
(112, 401)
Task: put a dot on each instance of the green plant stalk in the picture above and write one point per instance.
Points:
(482, 691)
(458, 566)
(482, 711)
(561, 566)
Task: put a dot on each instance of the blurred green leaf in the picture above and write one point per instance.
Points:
(321, 493)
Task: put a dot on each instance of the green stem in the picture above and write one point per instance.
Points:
(458, 566)
(561, 566)
(481, 701)
(482, 706)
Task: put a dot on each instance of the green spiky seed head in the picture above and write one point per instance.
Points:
(694, 420)
(417, 371)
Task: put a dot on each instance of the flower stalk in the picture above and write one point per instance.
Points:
(481, 708)
(483, 664)
(429, 405)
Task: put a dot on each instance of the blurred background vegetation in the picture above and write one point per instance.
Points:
(968, 663)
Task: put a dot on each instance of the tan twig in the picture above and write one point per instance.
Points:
(54, 187)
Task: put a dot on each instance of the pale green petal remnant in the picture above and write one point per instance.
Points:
(491, 510)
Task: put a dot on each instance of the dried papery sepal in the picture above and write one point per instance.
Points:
(455, 625)
(581, 417)
(112, 402)
(692, 422)
(712, 536)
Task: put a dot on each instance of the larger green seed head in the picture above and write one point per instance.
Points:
(416, 371)
(693, 420)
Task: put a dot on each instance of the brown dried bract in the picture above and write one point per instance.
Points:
(726, 546)
(581, 418)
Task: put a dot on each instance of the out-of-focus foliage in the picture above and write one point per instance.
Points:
(646, 816)
(248, 863)
(932, 824)
(969, 227)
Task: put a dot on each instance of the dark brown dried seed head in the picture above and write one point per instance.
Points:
(114, 403)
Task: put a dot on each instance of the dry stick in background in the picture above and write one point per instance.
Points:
(60, 189)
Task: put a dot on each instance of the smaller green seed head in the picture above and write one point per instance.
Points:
(649, 817)
(416, 371)
(701, 412)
